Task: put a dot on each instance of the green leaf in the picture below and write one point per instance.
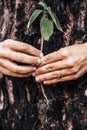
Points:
(53, 16)
(55, 19)
(46, 28)
(43, 5)
(33, 17)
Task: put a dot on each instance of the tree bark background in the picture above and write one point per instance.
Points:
(22, 105)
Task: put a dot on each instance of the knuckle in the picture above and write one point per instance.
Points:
(64, 52)
(47, 58)
(55, 74)
(44, 77)
(76, 77)
(16, 70)
(8, 40)
(34, 61)
(76, 70)
(24, 47)
(73, 77)
(20, 58)
(49, 68)
(70, 62)
(42, 70)
(39, 71)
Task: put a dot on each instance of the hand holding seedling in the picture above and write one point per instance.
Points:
(68, 63)
(13, 52)
(46, 28)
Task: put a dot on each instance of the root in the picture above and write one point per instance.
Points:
(44, 94)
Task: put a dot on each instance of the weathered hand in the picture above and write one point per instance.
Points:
(12, 52)
(68, 63)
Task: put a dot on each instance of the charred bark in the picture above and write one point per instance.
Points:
(22, 105)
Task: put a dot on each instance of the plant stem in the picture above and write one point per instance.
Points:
(42, 41)
(41, 85)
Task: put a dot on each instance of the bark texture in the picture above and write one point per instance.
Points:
(22, 105)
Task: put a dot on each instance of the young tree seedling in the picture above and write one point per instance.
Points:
(46, 27)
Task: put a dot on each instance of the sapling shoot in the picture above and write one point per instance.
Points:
(46, 28)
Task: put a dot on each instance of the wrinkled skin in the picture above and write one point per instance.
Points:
(12, 52)
(68, 63)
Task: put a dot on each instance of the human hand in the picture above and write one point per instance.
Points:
(12, 52)
(68, 63)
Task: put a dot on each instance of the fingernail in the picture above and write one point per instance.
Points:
(44, 82)
(34, 68)
(39, 61)
(33, 74)
(41, 55)
(37, 79)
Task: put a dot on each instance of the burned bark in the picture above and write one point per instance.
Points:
(22, 104)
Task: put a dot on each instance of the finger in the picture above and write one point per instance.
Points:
(52, 57)
(19, 57)
(22, 47)
(53, 67)
(55, 74)
(57, 80)
(11, 66)
(10, 73)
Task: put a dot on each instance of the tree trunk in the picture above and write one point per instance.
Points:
(22, 104)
